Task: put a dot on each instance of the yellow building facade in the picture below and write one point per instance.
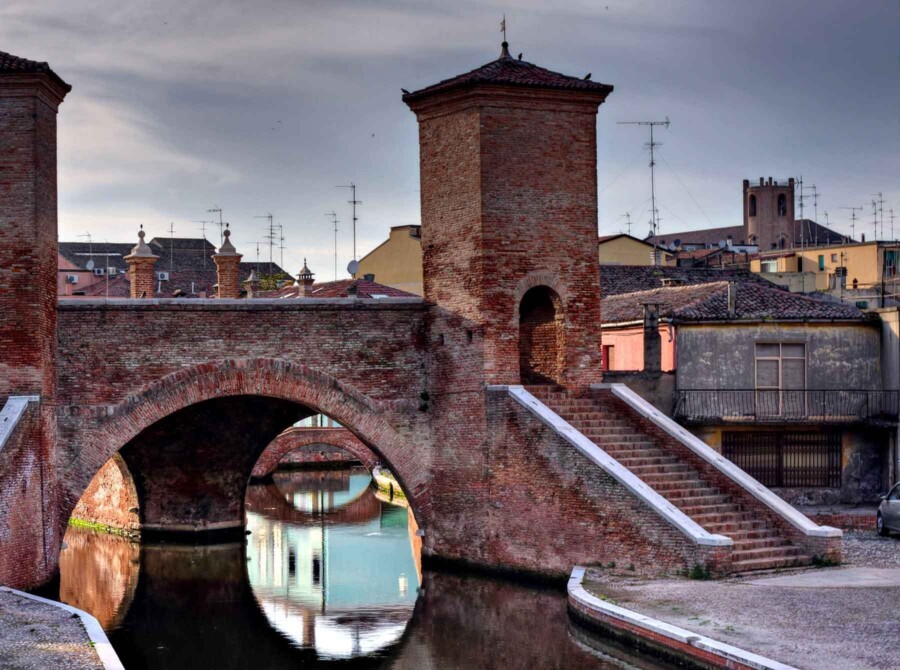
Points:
(627, 250)
(396, 262)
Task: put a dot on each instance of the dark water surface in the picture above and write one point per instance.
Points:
(328, 577)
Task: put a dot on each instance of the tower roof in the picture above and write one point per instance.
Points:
(10, 64)
(509, 71)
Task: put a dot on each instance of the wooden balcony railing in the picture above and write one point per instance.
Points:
(787, 406)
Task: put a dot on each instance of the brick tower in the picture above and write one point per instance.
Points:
(508, 160)
(769, 213)
(30, 94)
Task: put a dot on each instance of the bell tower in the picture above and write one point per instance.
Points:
(508, 164)
(769, 213)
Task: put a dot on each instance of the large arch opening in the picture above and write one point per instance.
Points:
(541, 337)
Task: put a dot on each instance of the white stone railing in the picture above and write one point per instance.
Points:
(12, 413)
(722, 464)
(614, 469)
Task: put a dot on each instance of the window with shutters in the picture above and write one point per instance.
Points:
(781, 378)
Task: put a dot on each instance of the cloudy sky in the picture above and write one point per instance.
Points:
(266, 106)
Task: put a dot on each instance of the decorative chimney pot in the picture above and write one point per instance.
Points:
(228, 262)
(305, 279)
(141, 262)
(251, 285)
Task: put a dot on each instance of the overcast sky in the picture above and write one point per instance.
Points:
(266, 106)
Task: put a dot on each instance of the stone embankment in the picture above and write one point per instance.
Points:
(36, 633)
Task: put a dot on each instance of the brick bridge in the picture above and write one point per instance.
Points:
(190, 392)
(328, 443)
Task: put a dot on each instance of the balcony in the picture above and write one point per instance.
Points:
(813, 406)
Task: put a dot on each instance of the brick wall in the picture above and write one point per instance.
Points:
(110, 499)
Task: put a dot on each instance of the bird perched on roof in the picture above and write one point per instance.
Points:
(405, 91)
(588, 76)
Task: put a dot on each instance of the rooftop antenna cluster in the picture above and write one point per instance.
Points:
(879, 211)
(627, 216)
(90, 264)
(171, 246)
(654, 213)
(203, 235)
(270, 236)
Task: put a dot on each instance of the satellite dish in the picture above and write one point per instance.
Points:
(353, 267)
(721, 244)
(677, 243)
(90, 264)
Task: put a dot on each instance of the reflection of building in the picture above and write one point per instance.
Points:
(342, 589)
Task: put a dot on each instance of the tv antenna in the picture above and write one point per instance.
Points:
(218, 210)
(90, 264)
(334, 220)
(353, 201)
(281, 244)
(815, 197)
(875, 217)
(880, 211)
(628, 223)
(203, 234)
(892, 224)
(654, 213)
(171, 246)
(853, 211)
(270, 236)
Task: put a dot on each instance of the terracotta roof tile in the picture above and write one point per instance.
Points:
(508, 71)
(341, 289)
(10, 64)
(616, 279)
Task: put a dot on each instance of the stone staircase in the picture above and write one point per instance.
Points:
(758, 545)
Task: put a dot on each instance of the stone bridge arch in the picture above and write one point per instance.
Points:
(97, 433)
(300, 437)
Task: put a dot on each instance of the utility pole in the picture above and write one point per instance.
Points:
(334, 220)
(269, 236)
(353, 201)
(216, 209)
(853, 211)
(654, 214)
(627, 216)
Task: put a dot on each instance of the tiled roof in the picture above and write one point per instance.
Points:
(191, 282)
(709, 302)
(508, 71)
(617, 279)
(10, 64)
(103, 254)
(341, 289)
(711, 236)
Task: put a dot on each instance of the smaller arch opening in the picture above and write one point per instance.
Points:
(752, 205)
(782, 204)
(541, 337)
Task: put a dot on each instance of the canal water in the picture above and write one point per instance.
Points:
(329, 576)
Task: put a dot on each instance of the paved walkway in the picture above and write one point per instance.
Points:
(37, 636)
(843, 618)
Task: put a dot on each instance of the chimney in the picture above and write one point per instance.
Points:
(652, 340)
(140, 268)
(228, 262)
(732, 299)
(305, 279)
(369, 277)
(251, 284)
(862, 237)
(352, 290)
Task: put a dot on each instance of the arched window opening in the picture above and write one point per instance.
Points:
(782, 205)
(541, 337)
(752, 206)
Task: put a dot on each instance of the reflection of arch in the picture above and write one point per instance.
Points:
(110, 429)
(299, 437)
(541, 336)
(270, 501)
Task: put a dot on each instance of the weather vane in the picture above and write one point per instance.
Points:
(503, 27)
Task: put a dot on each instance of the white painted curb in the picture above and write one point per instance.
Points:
(726, 467)
(616, 470)
(726, 652)
(105, 652)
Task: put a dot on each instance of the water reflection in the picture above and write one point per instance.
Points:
(326, 578)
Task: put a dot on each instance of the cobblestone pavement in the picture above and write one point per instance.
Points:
(846, 628)
(35, 636)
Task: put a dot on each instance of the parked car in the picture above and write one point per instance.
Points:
(889, 512)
